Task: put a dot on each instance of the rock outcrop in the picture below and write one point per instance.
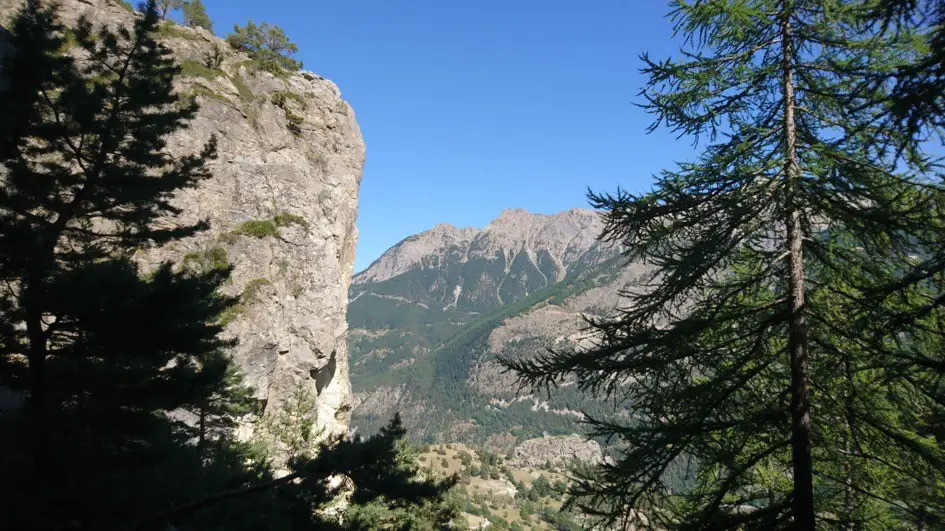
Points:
(558, 451)
(281, 204)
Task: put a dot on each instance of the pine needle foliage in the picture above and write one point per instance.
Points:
(755, 354)
(195, 15)
(918, 98)
(267, 44)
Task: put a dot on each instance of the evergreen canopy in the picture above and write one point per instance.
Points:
(785, 347)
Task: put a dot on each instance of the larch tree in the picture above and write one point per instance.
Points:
(754, 353)
(918, 98)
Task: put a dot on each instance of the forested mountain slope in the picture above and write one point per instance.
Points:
(428, 319)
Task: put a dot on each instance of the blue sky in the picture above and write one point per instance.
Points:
(471, 107)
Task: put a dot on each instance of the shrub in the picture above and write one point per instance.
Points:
(252, 289)
(214, 58)
(267, 44)
(280, 99)
(258, 229)
(206, 260)
(191, 68)
(284, 219)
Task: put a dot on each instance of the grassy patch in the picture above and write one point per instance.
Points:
(206, 260)
(246, 95)
(252, 289)
(258, 229)
(273, 68)
(69, 41)
(231, 314)
(191, 68)
(285, 219)
(169, 30)
(248, 297)
(200, 90)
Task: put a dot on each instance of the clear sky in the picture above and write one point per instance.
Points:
(469, 107)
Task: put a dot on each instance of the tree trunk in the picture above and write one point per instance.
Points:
(202, 431)
(36, 357)
(803, 502)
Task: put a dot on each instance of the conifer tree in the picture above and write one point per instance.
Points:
(267, 44)
(195, 15)
(86, 171)
(99, 347)
(108, 355)
(753, 352)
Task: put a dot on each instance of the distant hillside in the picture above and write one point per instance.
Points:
(428, 318)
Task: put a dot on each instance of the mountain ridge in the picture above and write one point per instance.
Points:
(428, 320)
(564, 236)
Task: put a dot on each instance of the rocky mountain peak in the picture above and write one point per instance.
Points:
(430, 316)
(564, 236)
(412, 251)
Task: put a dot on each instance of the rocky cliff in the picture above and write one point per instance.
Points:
(281, 204)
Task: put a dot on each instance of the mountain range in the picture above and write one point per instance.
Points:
(428, 319)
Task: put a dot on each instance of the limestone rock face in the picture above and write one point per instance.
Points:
(290, 162)
(534, 453)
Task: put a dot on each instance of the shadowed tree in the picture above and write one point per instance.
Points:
(753, 353)
(87, 174)
(107, 354)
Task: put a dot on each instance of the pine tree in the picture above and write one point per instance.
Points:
(222, 401)
(100, 348)
(86, 172)
(753, 352)
(381, 477)
(195, 15)
(110, 355)
(267, 44)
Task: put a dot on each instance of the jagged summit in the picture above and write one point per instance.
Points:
(431, 314)
(563, 236)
